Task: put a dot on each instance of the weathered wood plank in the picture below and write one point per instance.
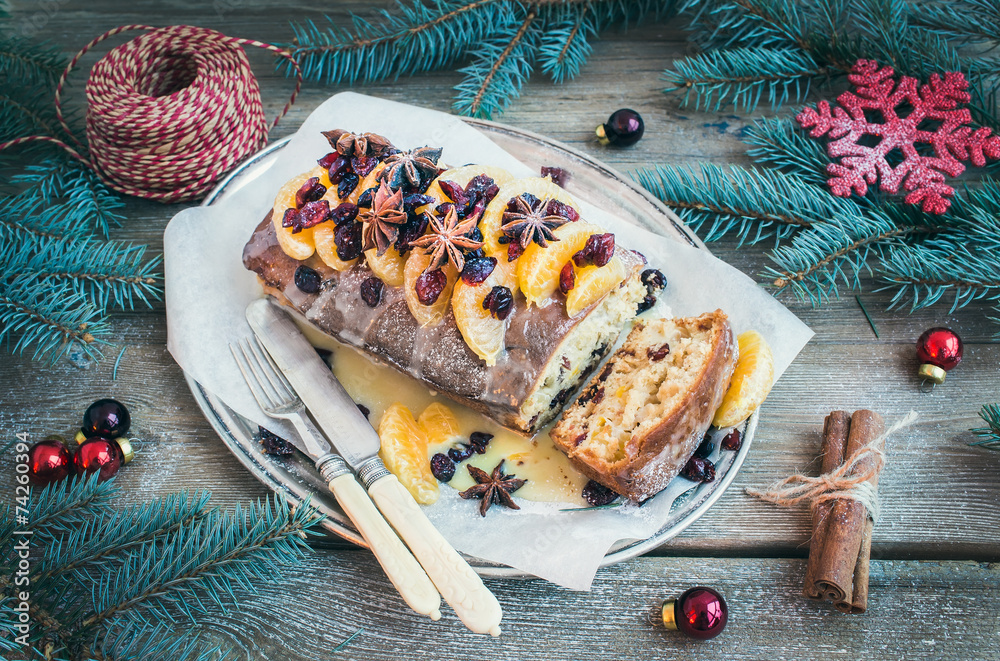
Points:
(917, 610)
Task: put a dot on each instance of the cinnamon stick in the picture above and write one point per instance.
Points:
(842, 549)
(835, 431)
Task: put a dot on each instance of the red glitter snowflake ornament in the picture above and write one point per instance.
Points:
(881, 116)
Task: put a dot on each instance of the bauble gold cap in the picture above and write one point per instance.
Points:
(932, 373)
(668, 613)
(128, 453)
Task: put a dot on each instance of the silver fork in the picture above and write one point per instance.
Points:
(277, 399)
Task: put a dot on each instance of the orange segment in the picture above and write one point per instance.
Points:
(752, 380)
(592, 284)
(389, 267)
(538, 268)
(426, 315)
(462, 176)
(540, 187)
(299, 245)
(404, 453)
(482, 332)
(438, 423)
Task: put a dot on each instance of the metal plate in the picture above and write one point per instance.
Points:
(295, 478)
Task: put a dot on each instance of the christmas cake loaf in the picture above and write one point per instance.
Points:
(490, 289)
(642, 417)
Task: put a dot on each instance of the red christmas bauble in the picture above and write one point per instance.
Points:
(700, 613)
(48, 461)
(99, 455)
(939, 351)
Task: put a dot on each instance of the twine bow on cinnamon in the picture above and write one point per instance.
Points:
(169, 112)
(845, 506)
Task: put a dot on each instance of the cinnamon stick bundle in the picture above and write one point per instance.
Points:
(840, 549)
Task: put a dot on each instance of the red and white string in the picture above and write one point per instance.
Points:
(168, 112)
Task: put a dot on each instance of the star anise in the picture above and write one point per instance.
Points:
(357, 144)
(530, 220)
(493, 488)
(411, 167)
(448, 239)
(382, 221)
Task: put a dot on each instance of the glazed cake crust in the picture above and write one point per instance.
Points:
(439, 355)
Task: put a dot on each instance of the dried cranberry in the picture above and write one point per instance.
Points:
(478, 440)
(567, 278)
(443, 208)
(559, 176)
(658, 353)
(514, 250)
(365, 410)
(477, 209)
(362, 165)
(653, 279)
(344, 212)
(411, 230)
(698, 469)
(310, 191)
(732, 442)
(478, 269)
(705, 449)
(600, 248)
(274, 444)
(482, 186)
(371, 291)
(328, 160)
(307, 279)
(291, 219)
(557, 208)
(313, 213)
(458, 455)
(339, 168)
(646, 303)
(597, 494)
(365, 199)
(599, 396)
(500, 301)
(347, 238)
(411, 202)
(429, 286)
(442, 467)
(347, 185)
(456, 193)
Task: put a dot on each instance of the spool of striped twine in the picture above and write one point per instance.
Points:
(168, 112)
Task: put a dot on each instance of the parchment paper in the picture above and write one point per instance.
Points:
(208, 289)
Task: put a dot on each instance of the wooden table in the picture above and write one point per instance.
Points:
(934, 582)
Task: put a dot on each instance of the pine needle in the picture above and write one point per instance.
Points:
(990, 413)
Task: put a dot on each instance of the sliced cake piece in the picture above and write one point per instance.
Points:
(642, 417)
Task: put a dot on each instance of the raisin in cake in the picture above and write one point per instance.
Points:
(639, 421)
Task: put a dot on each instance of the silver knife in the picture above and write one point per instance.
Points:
(358, 443)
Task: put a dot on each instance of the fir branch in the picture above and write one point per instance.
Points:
(60, 506)
(754, 203)
(25, 63)
(990, 413)
(775, 23)
(155, 642)
(103, 538)
(923, 274)
(105, 273)
(781, 144)
(424, 36)
(214, 557)
(836, 251)
(741, 76)
(26, 111)
(968, 21)
(51, 321)
(500, 68)
(564, 44)
(70, 193)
